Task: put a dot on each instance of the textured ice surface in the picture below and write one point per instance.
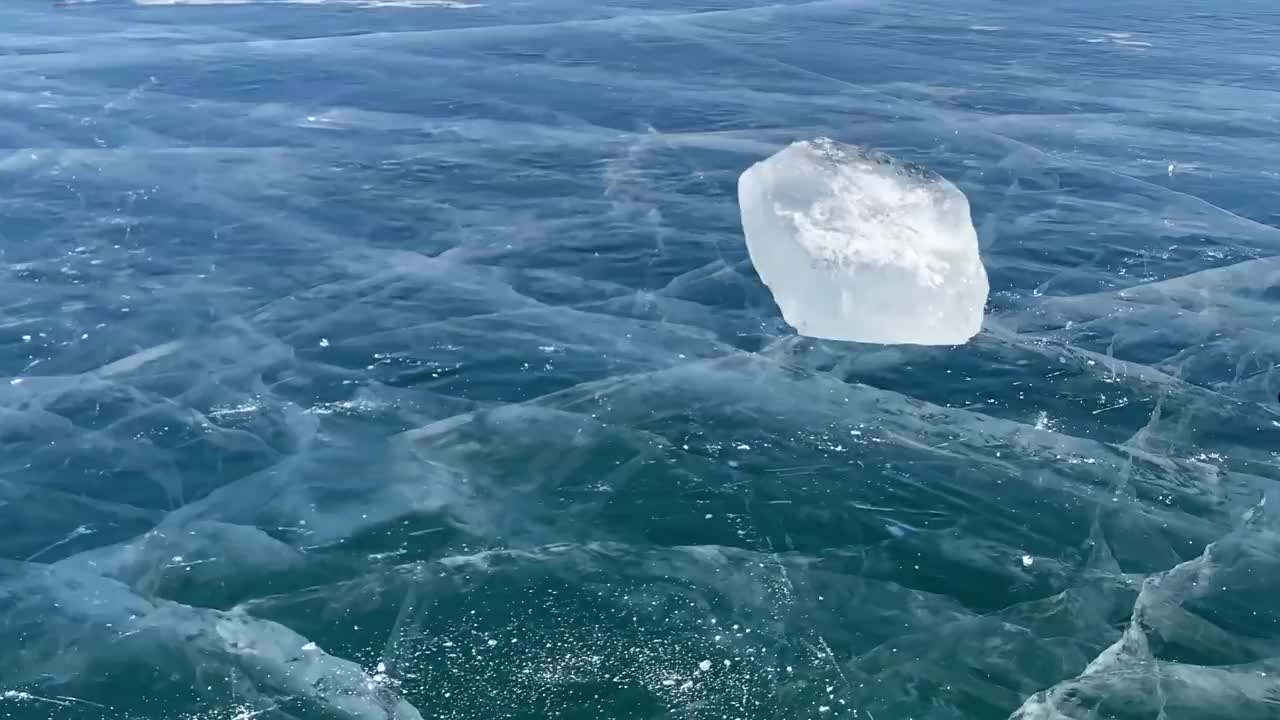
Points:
(355, 360)
(71, 631)
(856, 245)
(1201, 641)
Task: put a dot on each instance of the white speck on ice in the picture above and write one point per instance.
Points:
(705, 665)
(324, 342)
(1027, 561)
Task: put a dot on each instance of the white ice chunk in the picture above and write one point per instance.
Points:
(855, 245)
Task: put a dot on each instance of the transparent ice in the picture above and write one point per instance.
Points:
(376, 360)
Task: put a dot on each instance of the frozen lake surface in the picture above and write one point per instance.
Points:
(386, 359)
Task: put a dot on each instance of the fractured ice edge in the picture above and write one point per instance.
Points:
(71, 626)
(1201, 641)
